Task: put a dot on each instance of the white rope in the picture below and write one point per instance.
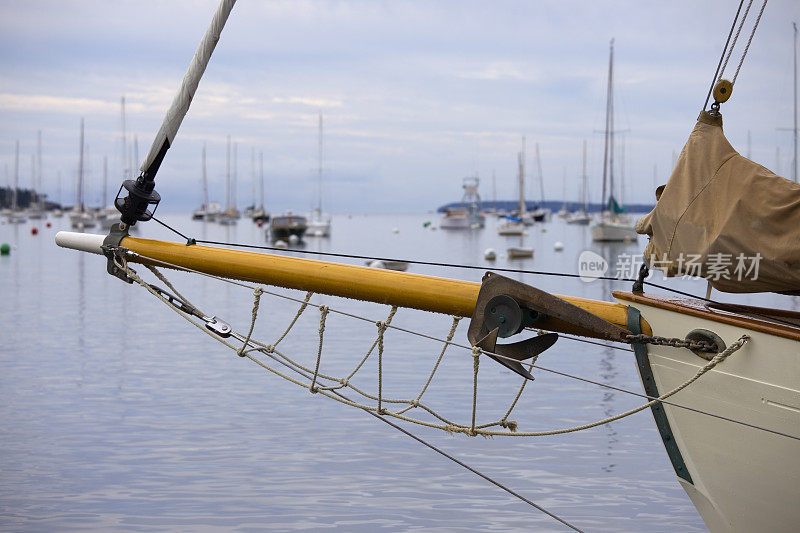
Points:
(251, 348)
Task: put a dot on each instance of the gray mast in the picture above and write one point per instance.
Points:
(228, 175)
(126, 169)
(205, 180)
(521, 163)
(583, 195)
(39, 204)
(261, 175)
(319, 167)
(608, 152)
(16, 178)
(80, 172)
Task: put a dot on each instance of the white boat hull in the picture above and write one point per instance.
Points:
(742, 479)
(610, 231)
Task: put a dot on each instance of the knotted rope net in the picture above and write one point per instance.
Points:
(353, 387)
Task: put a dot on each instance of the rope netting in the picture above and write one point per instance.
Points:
(367, 392)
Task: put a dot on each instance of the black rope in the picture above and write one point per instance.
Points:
(474, 267)
(722, 57)
(464, 465)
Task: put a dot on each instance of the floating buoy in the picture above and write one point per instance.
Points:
(426, 224)
(558, 246)
(490, 254)
(395, 230)
(280, 244)
(294, 239)
(5, 249)
(377, 264)
(49, 225)
(260, 223)
(34, 230)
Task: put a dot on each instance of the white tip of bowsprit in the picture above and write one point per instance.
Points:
(84, 242)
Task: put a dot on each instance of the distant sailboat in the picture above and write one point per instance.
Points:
(581, 216)
(319, 223)
(16, 217)
(260, 214)
(514, 225)
(230, 215)
(612, 225)
(80, 218)
(541, 213)
(36, 210)
(208, 210)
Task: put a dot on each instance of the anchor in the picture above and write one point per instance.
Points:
(505, 307)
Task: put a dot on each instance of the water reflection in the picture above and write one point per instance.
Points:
(608, 374)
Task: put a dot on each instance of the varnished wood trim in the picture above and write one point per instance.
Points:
(699, 309)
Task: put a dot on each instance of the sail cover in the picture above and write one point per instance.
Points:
(725, 218)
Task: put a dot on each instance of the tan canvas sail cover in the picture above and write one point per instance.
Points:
(725, 218)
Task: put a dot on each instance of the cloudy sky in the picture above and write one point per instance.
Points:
(415, 95)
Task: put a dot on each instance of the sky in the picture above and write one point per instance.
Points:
(415, 95)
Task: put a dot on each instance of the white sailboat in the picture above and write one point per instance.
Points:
(36, 210)
(319, 223)
(231, 214)
(208, 211)
(581, 216)
(515, 225)
(721, 379)
(15, 216)
(612, 224)
(79, 217)
(260, 214)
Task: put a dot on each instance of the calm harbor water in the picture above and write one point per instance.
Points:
(118, 415)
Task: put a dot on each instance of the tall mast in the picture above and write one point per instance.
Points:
(228, 174)
(253, 174)
(608, 152)
(126, 169)
(521, 163)
(494, 190)
(261, 175)
(205, 180)
(39, 169)
(235, 183)
(16, 177)
(541, 176)
(583, 195)
(105, 181)
(80, 172)
(319, 167)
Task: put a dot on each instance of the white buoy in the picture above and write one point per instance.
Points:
(280, 244)
(490, 254)
(558, 246)
(395, 230)
(293, 239)
(377, 264)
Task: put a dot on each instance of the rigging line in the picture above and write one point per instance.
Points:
(699, 411)
(474, 267)
(464, 465)
(722, 57)
(545, 369)
(750, 40)
(736, 37)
